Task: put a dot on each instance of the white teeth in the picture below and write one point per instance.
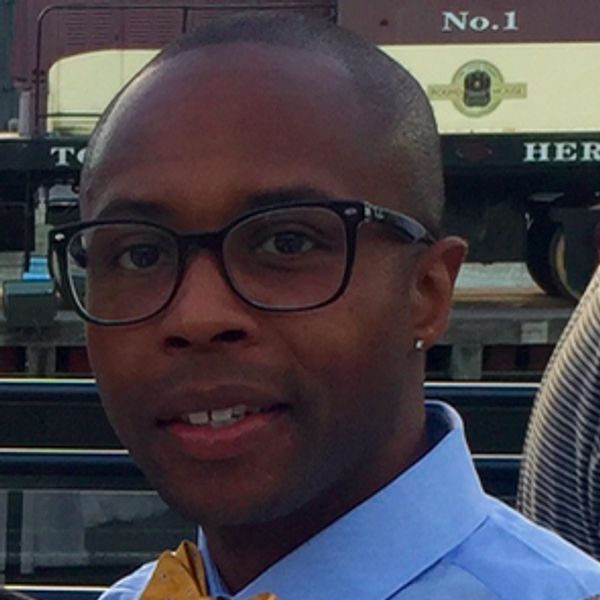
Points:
(239, 410)
(198, 418)
(221, 415)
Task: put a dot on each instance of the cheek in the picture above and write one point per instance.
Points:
(368, 326)
(119, 362)
(352, 369)
(353, 354)
(117, 353)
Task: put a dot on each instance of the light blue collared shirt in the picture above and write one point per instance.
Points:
(430, 534)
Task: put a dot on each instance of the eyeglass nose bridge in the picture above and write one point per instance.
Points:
(192, 243)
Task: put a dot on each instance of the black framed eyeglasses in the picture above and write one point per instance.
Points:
(285, 258)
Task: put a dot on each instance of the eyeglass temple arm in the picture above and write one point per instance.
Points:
(409, 228)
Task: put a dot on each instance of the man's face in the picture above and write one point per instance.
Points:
(188, 147)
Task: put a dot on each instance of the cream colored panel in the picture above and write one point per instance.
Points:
(85, 83)
(562, 85)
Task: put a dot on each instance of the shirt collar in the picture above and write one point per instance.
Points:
(387, 541)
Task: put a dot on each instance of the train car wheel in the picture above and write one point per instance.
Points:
(539, 255)
(559, 267)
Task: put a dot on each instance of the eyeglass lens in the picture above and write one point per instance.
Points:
(122, 272)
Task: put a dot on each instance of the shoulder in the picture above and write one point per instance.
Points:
(509, 554)
(130, 586)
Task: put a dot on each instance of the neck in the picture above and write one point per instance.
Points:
(242, 552)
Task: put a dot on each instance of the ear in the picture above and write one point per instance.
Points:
(433, 287)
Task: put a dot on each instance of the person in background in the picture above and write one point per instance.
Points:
(559, 485)
(264, 269)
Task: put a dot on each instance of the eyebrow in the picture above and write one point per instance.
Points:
(287, 195)
(122, 208)
(132, 208)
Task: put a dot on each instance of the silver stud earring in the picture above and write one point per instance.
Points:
(419, 344)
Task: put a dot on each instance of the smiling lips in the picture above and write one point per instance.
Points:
(221, 417)
(222, 433)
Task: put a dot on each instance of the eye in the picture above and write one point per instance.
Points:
(140, 256)
(78, 253)
(287, 243)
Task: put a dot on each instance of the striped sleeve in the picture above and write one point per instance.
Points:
(559, 485)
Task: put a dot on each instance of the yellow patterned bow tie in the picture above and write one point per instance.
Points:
(180, 575)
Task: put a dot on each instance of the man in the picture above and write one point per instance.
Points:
(264, 271)
(560, 479)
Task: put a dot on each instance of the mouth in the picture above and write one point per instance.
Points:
(217, 418)
(226, 431)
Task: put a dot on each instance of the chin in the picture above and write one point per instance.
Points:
(231, 493)
(222, 506)
(221, 510)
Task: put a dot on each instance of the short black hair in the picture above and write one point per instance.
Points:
(403, 125)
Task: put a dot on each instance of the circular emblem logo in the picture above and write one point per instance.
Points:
(477, 89)
(479, 81)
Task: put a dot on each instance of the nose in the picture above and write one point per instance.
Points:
(206, 313)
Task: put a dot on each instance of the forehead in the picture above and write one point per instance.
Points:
(227, 121)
